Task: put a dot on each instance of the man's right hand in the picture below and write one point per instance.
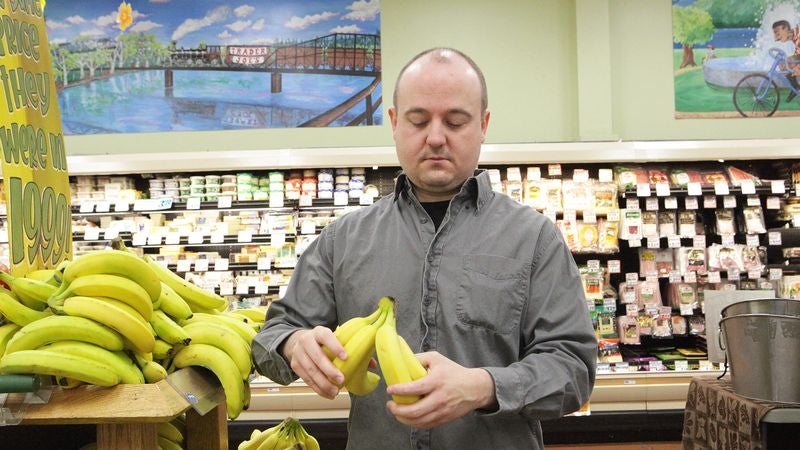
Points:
(303, 350)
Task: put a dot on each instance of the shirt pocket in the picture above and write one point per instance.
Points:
(492, 292)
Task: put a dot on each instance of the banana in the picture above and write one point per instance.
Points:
(89, 446)
(167, 329)
(104, 285)
(59, 364)
(360, 347)
(167, 444)
(256, 314)
(224, 368)
(193, 294)
(162, 349)
(18, 313)
(129, 309)
(32, 293)
(347, 330)
(68, 383)
(6, 333)
(415, 368)
(153, 372)
(241, 328)
(122, 365)
(41, 274)
(173, 304)
(310, 441)
(390, 358)
(64, 328)
(225, 339)
(115, 262)
(114, 317)
(169, 431)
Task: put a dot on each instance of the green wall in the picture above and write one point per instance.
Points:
(557, 70)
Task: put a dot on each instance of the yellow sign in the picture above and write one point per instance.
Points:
(33, 157)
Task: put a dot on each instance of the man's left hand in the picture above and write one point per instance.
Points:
(448, 392)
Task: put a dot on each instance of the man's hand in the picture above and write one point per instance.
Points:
(448, 392)
(303, 350)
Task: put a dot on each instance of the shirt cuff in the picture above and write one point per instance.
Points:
(506, 391)
(271, 362)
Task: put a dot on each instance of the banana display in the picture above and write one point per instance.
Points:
(287, 435)
(113, 317)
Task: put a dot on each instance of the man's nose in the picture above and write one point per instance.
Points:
(436, 134)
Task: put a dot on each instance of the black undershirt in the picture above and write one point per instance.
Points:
(436, 211)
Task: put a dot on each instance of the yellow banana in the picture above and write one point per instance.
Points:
(225, 339)
(64, 328)
(123, 321)
(41, 274)
(415, 368)
(32, 293)
(6, 333)
(129, 309)
(347, 330)
(122, 365)
(360, 347)
(362, 382)
(162, 349)
(59, 364)
(224, 368)
(89, 446)
(167, 329)
(256, 314)
(390, 358)
(18, 313)
(310, 441)
(238, 326)
(169, 431)
(115, 262)
(167, 444)
(153, 372)
(104, 285)
(173, 304)
(68, 383)
(193, 295)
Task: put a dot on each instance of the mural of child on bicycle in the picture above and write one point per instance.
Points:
(787, 40)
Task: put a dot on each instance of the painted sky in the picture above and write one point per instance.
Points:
(213, 21)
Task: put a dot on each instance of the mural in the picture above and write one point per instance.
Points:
(179, 65)
(736, 58)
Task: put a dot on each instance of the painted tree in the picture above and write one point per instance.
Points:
(62, 60)
(691, 25)
(736, 13)
(98, 58)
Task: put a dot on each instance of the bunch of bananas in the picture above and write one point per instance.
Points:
(112, 317)
(170, 435)
(287, 435)
(361, 337)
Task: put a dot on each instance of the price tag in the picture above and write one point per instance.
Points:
(687, 310)
(612, 215)
(754, 274)
(122, 207)
(694, 189)
(605, 175)
(674, 241)
(261, 288)
(277, 239)
(163, 263)
(653, 242)
(366, 199)
(729, 201)
(593, 265)
(224, 201)
(570, 216)
(534, 174)
(682, 365)
(634, 243)
(655, 366)
(675, 276)
(308, 226)
(609, 305)
(614, 266)
(282, 291)
(643, 190)
(631, 277)
(102, 206)
(699, 241)
(340, 198)
(217, 237)
(671, 203)
(580, 175)
(662, 189)
(629, 297)
(193, 203)
(748, 187)
(87, 207)
(796, 220)
(753, 201)
(550, 214)
(154, 239)
(589, 216)
(201, 265)
(622, 367)
(196, 237)
(773, 203)
(91, 234)
(554, 170)
(734, 275)
(305, 201)
(631, 203)
(631, 308)
(139, 239)
(172, 239)
(727, 239)
(721, 188)
(774, 237)
(690, 277)
(221, 264)
(752, 240)
(244, 236)
(714, 277)
(775, 274)
(264, 263)
(778, 187)
(651, 204)
(710, 202)
(226, 288)
(242, 289)
(603, 368)
(276, 199)
(691, 203)
(706, 366)
(184, 265)
(111, 233)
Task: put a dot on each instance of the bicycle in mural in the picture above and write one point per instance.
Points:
(758, 94)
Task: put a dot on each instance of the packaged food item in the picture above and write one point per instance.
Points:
(605, 197)
(649, 295)
(569, 230)
(680, 177)
(607, 326)
(665, 261)
(552, 188)
(754, 220)
(725, 257)
(791, 287)
(514, 185)
(535, 194)
(649, 224)
(751, 260)
(662, 324)
(631, 224)
(628, 330)
(738, 175)
(667, 224)
(682, 296)
(576, 196)
(587, 237)
(608, 350)
(691, 260)
(592, 285)
(657, 175)
(645, 324)
(687, 224)
(628, 177)
(629, 293)
(697, 325)
(725, 224)
(647, 262)
(678, 325)
(608, 236)
(713, 176)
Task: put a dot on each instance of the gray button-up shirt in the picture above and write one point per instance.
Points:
(495, 287)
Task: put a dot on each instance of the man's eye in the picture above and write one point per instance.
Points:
(455, 124)
(419, 123)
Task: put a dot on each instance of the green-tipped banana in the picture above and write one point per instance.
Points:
(64, 328)
(32, 293)
(122, 365)
(167, 329)
(225, 339)
(59, 364)
(390, 358)
(153, 372)
(7, 331)
(173, 304)
(115, 262)
(224, 368)
(18, 313)
(169, 431)
(360, 347)
(238, 326)
(104, 285)
(118, 319)
(193, 295)
(162, 349)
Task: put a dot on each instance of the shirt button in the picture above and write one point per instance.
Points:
(427, 301)
(426, 347)
(423, 220)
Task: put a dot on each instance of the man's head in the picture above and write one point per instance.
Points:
(439, 121)
(782, 30)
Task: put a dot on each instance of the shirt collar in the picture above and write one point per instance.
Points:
(477, 187)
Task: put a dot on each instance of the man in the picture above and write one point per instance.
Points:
(785, 41)
(484, 287)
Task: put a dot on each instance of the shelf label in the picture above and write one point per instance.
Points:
(605, 175)
(622, 367)
(264, 263)
(691, 203)
(612, 215)
(753, 200)
(754, 274)
(172, 239)
(87, 207)
(681, 365)
(634, 243)
(217, 237)
(675, 276)
(714, 277)
(734, 274)
(193, 203)
(671, 203)
(752, 240)
(225, 288)
(201, 265)
(154, 239)
(554, 170)
(184, 265)
(261, 288)
(224, 201)
(631, 203)
(570, 216)
(694, 189)
(308, 226)
(276, 199)
(282, 291)
(653, 242)
(729, 201)
(102, 206)
(674, 241)
(721, 188)
(366, 199)
(662, 189)
(221, 264)
(277, 239)
(690, 277)
(774, 237)
(643, 190)
(139, 239)
(111, 233)
(656, 366)
(340, 198)
(727, 239)
(706, 365)
(631, 277)
(778, 187)
(651, 204)
(603, 368)
(550, 214)
(244, 236)
(748, 187)
(614, 266)
(305, 201)
(775, 274)
(710, 202)
(631, 308)
(122, 207)
(152, 204)
(773, 203)
(580, 175)
(196, 237)
(699, 241)
(91, 234)
(242, 289)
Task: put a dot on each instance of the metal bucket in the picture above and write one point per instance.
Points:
(764, 348)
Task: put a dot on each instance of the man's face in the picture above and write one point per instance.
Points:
(781, 33)
(437, 125)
